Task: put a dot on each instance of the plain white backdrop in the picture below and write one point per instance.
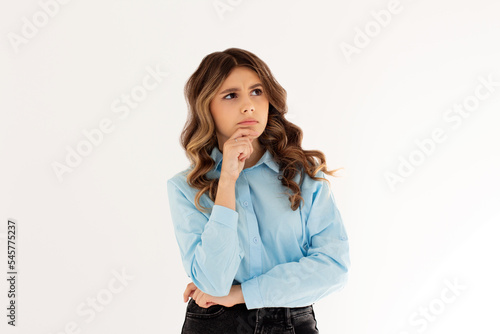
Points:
(395, 92)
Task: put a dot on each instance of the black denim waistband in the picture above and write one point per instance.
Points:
(277, 312)
(281, 312)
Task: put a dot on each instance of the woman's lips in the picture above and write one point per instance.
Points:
(248, 123)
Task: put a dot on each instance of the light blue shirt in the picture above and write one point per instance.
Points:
(281, 257)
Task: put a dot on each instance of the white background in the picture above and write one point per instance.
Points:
(364, 111)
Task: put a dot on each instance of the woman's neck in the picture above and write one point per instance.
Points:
(258, 152)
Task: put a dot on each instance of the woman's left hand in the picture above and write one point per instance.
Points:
(204, 300)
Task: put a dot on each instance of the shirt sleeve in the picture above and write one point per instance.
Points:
(323, 270)
(209, 247)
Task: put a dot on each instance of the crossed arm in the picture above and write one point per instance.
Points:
(204, 300)
(322, 271)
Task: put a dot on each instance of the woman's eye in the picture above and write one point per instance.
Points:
(259, 90)
(228, 95)
(255, 90)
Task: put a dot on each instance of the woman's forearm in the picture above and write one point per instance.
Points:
(234, 297)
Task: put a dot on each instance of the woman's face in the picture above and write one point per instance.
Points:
(240, 97)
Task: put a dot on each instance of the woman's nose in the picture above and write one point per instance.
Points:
(247, 105)
(249, 108)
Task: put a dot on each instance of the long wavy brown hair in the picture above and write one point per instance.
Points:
(282, 138)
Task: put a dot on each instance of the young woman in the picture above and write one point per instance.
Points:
(258, 229)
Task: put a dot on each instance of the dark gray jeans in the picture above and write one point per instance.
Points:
(218, 319)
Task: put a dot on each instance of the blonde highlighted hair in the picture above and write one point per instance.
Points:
(281, 138)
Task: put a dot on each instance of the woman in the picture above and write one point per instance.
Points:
(257, 226)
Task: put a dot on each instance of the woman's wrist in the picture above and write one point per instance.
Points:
(240, 299)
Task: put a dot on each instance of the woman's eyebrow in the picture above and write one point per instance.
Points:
(237, 89)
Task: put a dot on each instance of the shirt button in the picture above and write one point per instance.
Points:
(245, 203)
(255, 240)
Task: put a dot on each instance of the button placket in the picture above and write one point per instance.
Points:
(255, 256)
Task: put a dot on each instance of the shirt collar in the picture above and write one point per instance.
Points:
(266, 158)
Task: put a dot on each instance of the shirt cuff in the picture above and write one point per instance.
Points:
(251, 293)
(225, 216)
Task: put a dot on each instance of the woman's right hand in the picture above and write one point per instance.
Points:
(236, 152)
